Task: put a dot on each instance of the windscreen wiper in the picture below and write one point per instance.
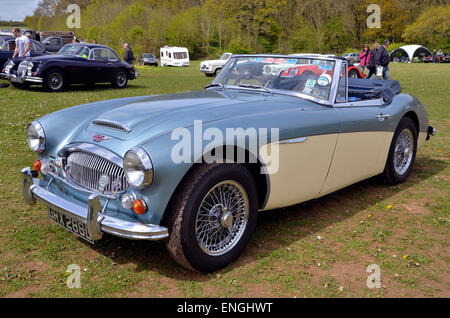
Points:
(255, 87)
(215, 85)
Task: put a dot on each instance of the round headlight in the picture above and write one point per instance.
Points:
(138, 168)
(36, 137)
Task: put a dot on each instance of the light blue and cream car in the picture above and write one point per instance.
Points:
(193, 169)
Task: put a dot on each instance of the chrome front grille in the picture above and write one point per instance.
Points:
(22, 70)
(85, 169)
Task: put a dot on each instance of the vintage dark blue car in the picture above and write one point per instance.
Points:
(8, 44)
(74, 64)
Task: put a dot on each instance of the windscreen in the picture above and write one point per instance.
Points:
(308, 76)
(75, 50)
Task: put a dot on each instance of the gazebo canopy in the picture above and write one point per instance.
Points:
(411, 51)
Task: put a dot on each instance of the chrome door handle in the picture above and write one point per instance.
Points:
(382, 117)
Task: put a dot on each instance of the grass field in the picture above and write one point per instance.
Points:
(404, 229)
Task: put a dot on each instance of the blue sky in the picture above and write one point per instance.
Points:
(16, 9)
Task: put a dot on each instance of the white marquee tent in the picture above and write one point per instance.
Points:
(410, 51)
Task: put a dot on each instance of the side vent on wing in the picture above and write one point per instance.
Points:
(112, 125)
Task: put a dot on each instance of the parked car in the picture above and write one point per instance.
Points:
(74, 64)
(174, 56)
(148, 59)
(53, 43)
(8, 45)
(129, 167)
(353, 57)
(441, 58)
(213, 67)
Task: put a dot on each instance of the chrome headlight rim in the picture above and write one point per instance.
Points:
(138, 168)
(39, 134)
(9, 66)
(29, 65)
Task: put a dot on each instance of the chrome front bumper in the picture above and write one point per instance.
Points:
(15, 79)
(94, 220)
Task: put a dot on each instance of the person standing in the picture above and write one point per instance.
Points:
(434, 56)
(129, 58)
(22, 45)
(382, 60)
(364, 56)
(371, 64)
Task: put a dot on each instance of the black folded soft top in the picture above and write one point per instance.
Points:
(361, 89)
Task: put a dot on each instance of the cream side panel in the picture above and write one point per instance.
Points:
(421, 140)
(358, 156)
(302, 169)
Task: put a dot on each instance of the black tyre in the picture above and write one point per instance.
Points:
(54, 81)
(208, 231)
(402, 152)
(353, 74)
(120, 79)
(217, 71)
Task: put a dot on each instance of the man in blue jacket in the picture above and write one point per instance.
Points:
(129, 58)
(382, 59)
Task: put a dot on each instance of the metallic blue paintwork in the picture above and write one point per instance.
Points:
(152, 119)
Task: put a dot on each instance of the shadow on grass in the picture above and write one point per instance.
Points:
(82, 88)
(277, 228)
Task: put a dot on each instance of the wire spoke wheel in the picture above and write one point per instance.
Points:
(55, 81)
(121, 79)
(404, 150)
(222, 218)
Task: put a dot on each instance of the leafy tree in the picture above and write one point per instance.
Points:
(431, 28)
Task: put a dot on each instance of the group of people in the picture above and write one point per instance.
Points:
(75, 40)
(376, 60)
(437, 56)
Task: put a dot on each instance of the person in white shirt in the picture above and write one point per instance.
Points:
(22, 44)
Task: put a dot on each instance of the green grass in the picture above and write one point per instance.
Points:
(284, 258)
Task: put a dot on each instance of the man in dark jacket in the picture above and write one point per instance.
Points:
(371, 64)
(129, 58)
(382, 59)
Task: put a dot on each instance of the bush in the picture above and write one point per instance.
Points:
(237, 46)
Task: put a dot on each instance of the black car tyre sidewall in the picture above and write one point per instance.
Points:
(116, 79)
(390, 175)
(353, 72)
(182, 243)
(47, 78)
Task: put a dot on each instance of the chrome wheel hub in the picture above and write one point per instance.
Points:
(222, 218)
(121, 79)
(403, 154)
(55, 81)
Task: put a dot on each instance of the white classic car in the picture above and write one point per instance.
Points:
(213, 67)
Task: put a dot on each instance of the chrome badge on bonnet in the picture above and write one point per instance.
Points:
(99, 138)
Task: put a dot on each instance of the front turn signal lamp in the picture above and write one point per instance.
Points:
(37, 165)
(139, 206)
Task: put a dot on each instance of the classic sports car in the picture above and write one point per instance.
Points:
(194, 168)
(74, 64)
(213, 67)
(8, 44)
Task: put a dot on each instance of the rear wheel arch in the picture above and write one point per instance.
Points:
(413, 116)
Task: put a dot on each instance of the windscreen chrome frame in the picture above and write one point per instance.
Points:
(334, 85)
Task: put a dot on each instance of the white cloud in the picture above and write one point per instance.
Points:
(16, 10)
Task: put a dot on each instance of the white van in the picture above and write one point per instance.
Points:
(174, 56)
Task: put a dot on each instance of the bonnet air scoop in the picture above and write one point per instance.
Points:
(111, 124)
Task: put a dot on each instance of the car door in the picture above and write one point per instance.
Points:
(304, 152)
(363, 145)
(99, 63)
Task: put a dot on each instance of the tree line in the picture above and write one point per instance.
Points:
(209, 27)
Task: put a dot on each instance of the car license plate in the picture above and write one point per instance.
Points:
(15, 79)
(70, 224)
